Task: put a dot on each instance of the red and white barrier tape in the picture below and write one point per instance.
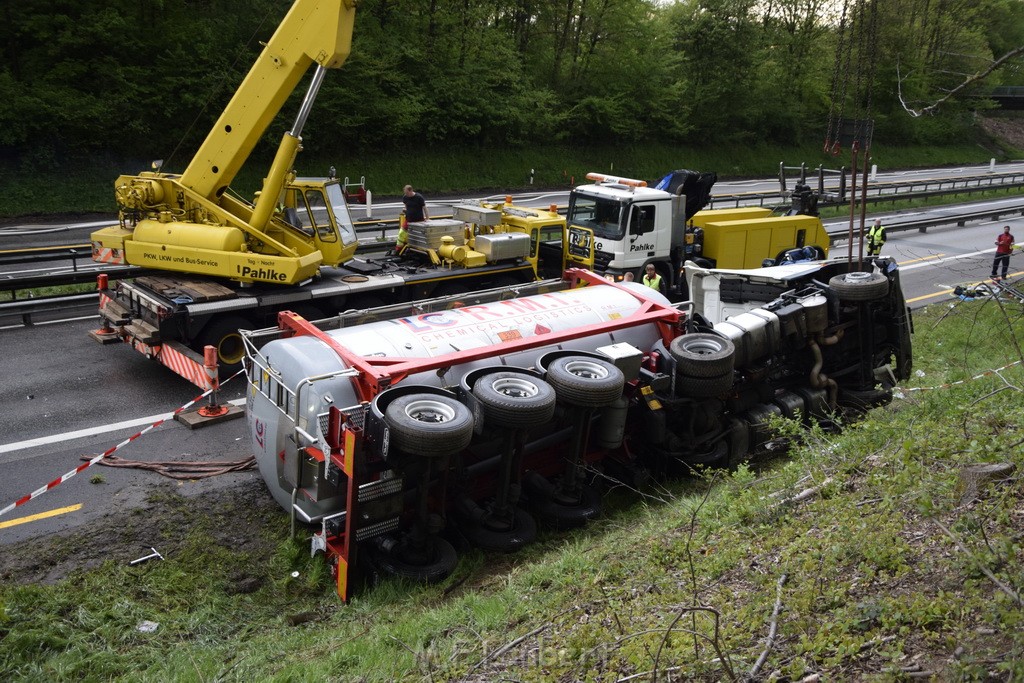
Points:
(987, 373)
(57, 482)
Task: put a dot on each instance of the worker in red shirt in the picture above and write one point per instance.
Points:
(1004, 245)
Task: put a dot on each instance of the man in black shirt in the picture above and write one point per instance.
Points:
(415, 206)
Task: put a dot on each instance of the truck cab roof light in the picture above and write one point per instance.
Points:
(628, 182)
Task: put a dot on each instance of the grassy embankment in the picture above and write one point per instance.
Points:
(78, 188)
(868, 551)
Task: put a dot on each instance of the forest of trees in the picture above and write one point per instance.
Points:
(146, 78)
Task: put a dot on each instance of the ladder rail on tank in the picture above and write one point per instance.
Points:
(378, 373)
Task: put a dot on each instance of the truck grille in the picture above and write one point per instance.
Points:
(602, 259)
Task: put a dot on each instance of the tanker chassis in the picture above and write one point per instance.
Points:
(435, 427)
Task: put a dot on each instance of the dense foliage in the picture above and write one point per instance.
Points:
(144, 80)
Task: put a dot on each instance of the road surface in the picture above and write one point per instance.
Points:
(64, 396)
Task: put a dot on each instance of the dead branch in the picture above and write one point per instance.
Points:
(772, 629)
(633, 677)
(1002, 586)
(508, 646)
(804, 495)
(430, 674)
(970, 80)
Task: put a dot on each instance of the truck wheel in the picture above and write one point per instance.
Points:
(429, 425)
(585, 382)
(223, 335)
(704, 387)
(702, 354)
(522, 531)
(563, 515)
(859, 286)
(430, 564)
(514, 399)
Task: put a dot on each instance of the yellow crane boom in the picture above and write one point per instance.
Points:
(191, 223)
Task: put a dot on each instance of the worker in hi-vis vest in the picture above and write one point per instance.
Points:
(876, 238)
(652, 279)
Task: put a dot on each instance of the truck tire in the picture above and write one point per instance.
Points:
(585, 382)
(522, 532)
(561, 515)
(702, 354)
(223, 335)
(704, 387)
(514, 399)
(859, 286)
(428, 425)
(428, 565)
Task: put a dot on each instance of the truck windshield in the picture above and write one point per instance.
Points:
(341, 214)
(321, 206)
(602, 215)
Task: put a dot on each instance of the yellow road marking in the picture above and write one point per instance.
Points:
(41, 515)
(923, 258)
(950, 291)
(929, 296)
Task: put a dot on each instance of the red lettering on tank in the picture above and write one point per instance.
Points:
(523, 305)
(480, 312)
(427, 321)
(259, 428)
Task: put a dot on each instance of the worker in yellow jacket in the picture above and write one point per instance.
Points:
(876, 238)
(652, 279)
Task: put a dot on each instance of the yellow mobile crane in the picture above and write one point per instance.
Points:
(192, 223)
(235, 264)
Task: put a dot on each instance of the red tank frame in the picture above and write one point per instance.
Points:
(375, 374)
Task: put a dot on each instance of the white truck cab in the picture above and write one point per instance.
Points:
(619, 225)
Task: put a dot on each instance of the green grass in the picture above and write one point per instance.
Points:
(886, 566)
(83, 288)
(78, 187)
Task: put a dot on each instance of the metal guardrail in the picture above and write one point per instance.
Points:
(832, 194)
(24, 308)
(67, 252)
(922, 224)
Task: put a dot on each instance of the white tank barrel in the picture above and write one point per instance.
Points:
(293, 360)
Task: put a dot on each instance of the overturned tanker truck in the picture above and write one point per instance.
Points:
(476, 418)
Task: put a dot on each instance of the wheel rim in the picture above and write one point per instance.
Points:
(857, 277)
(515, 387)
(426, 410)
(703, 347)
(586, 369)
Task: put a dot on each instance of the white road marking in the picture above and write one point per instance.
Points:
(92, 431)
